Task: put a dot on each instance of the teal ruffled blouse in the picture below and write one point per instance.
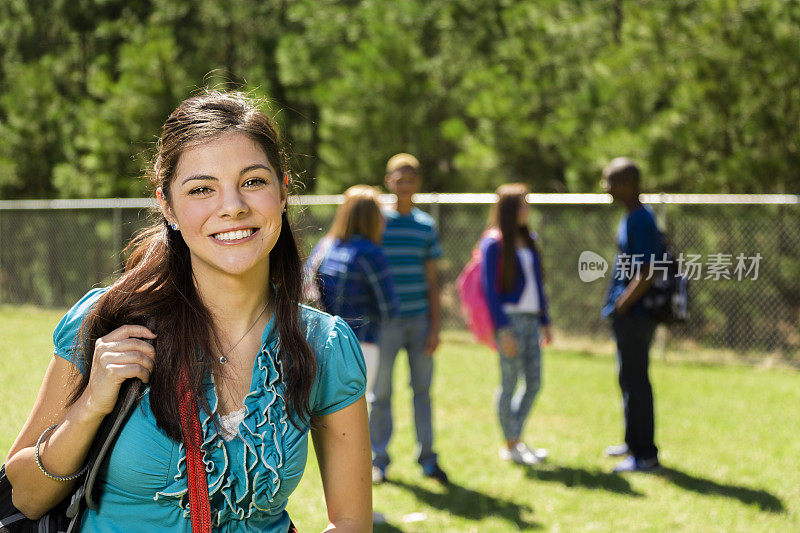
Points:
(251, 476)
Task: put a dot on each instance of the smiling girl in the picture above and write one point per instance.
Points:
(214, 285)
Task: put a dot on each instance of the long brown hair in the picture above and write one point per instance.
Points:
(157, 286)
(359, 214)
(505, 216)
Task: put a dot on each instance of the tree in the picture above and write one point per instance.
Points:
(703, 94)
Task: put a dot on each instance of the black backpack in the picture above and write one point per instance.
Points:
(65, 516)
(667, 300)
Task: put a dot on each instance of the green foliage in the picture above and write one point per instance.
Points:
(705, 94)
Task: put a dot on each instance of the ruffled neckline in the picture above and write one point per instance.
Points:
(243, 474)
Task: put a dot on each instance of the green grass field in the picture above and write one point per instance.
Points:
(729, 439)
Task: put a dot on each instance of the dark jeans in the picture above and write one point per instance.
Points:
(634, 335)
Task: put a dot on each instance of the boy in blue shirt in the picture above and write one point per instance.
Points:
(411, 244)
(638, 244)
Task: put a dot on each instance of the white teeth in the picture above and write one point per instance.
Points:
(233, 235)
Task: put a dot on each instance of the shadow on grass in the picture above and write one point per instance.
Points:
(470, 504)
(580, 477)
(765, 500)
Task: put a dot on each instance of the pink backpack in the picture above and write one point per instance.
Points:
(474, 307)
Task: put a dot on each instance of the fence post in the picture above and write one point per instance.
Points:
(117, 223)
(2, 274)
(661, 212)
(661, 217)
(435, 209)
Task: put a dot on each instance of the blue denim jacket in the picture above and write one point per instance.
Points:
(355, 283)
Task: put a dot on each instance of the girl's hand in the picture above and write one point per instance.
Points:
(119, 355)
(432, 342)
(508, 344)
(547, 335)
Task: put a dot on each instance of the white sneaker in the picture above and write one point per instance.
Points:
(540, 453)
(619, 450)
(378, 475)
(522, 455)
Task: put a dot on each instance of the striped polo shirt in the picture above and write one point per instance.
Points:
(409, 241)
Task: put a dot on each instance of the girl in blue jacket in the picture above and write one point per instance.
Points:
(511, 275)
(353, 277)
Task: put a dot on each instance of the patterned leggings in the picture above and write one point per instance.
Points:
(513, 402)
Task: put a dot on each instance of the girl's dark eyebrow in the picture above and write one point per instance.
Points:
(198, 177)
(244, 171)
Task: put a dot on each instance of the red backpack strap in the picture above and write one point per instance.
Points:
(199, 506)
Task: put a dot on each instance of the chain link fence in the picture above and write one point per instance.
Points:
(52, 252)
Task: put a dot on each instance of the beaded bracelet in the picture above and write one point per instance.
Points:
(39, 461)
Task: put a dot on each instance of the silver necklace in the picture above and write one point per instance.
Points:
(224, 357)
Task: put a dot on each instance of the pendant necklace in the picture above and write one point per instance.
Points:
(223, 358)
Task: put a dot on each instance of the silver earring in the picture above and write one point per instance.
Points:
(174, 226)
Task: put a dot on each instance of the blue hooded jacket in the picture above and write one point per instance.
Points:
(491, 258)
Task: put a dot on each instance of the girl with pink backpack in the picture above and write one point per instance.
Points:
(512, 282)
